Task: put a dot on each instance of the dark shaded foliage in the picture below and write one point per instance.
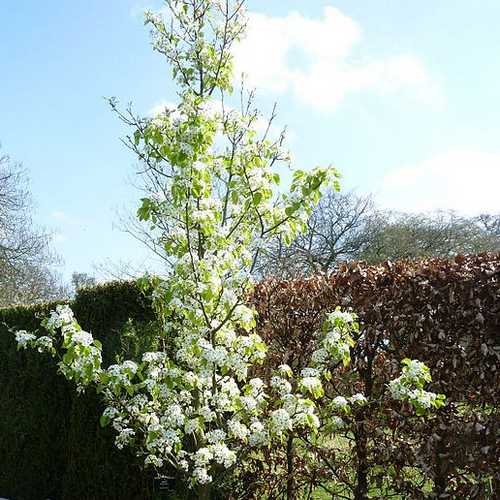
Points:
(51, 444)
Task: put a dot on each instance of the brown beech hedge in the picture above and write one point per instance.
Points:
(445, 313)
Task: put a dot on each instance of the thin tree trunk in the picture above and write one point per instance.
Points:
(204, 492)
(361, 491)
(290, 479)
(440, 472)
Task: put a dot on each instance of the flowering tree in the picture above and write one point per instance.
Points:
(193, 406)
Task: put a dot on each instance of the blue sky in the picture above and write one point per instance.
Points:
(403, 97)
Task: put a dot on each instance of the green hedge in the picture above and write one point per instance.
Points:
(51, 444)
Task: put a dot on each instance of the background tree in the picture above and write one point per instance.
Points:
(82, 280)
(338, 230)
(399, 235)
(347, 226)
(26, 260)
(490, 223)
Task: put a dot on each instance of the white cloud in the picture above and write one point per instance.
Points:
(465, 180)
(60, 215)
(59, 238)
(312, 58)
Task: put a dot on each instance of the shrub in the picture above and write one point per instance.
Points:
(50, 441)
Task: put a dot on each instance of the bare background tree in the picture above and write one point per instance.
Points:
(490, 224)
(338, 230)
(82, 280)
(399, 235)
(26, 260)
(347, 226)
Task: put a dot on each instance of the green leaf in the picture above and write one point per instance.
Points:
(137, 137)
(69, 356)
(257, 198)
(144, 211)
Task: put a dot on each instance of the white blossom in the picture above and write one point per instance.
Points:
(82, 337)
(280, 421)
(23, 337)
(358, 398)
(340, 402)
(222, 455)
(201, 475)
(215, 436)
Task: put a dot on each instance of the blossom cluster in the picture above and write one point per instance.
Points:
(336, 340)
(409, 386)
(157, 407)
(82, 359)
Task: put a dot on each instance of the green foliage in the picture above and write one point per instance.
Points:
(51, 444)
